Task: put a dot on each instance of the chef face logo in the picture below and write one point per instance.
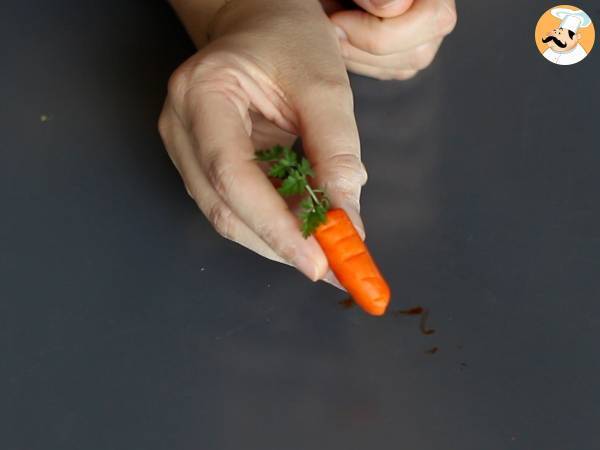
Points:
(565, 35)
(561, 40)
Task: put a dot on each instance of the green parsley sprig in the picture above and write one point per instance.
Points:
(294, 173)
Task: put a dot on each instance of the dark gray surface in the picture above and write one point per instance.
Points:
(127, 323)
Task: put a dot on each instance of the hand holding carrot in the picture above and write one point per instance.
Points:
(346, 253)
(271, 72)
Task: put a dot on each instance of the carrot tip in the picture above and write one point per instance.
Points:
(351, 262)
(376, 307)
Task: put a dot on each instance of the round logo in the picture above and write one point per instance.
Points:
(565, 35)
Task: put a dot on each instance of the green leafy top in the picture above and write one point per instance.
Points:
(294, 173)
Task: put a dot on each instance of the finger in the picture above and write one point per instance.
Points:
(424, 21)
(225, 222)
(417, 58)
(332, 279)
(379, 73)
(226, 155)
(385, 8)
(331, 142)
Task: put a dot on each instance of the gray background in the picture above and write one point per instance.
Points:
(127, 323)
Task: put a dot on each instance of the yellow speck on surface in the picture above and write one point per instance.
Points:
(44, 118)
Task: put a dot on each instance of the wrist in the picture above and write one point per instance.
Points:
(197, 17)
(266, 15)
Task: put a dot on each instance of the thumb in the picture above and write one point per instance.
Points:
(385, 8)
(331, 143)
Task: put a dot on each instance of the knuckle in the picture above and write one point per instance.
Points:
(447, 18)
(208, 73)
(346, 172)
(334, 84)
(178, 82)
(330, 86)
(384, 74)
(221, 175)
(270, 232)
(163, 126)
(422, 57)
(403, 75)
(204, 73)
(375, 44)
(221, 218)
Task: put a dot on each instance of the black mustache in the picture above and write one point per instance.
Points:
(556, 41)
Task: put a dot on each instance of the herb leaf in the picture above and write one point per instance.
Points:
(311, 219)
(293, 172)
(292, 185)
(307, 204)
(278, 170)
(290, 158)
(305, 168)
(272, 154)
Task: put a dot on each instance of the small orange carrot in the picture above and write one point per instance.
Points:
(348, 256)
(351, 262)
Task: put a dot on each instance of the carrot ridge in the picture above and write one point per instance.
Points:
(352, 263)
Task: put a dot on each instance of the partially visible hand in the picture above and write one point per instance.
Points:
(393, 39)
(271, 72)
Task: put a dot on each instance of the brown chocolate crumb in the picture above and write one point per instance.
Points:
(347, 303)
(416, 311)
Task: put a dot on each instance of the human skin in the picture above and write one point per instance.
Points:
(270, 72)
(248, 88)
(391, 39)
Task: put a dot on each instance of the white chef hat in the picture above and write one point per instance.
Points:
(572, 19)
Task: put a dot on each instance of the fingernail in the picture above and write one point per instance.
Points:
(308, 264)
(341, 33)
(331, 279)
